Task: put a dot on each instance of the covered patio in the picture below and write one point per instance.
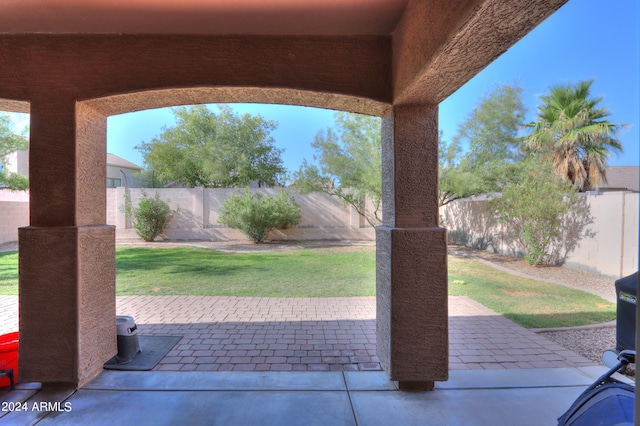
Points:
(241, 361)
(72, 64)
(317, 334)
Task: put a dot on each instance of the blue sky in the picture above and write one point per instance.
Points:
(585, 39)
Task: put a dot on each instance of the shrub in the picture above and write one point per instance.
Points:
(14, 181)
(151, 216)
(256, 214)
(533, 212)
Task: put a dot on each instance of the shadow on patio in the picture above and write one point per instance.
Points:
(279, 334)
(538, 381)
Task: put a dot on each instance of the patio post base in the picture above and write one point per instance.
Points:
(412, 333)
(412, 386)
(67, 303)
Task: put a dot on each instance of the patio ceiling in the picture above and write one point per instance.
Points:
(435, 46)
(212, 17)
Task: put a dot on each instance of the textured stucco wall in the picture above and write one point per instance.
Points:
(52, 152)
(90, 166)
(298, 70)
(410, 166)
(411, 267)
(412, 309)
(67, 316)
(439, 46)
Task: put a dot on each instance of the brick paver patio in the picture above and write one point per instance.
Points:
(314, 334)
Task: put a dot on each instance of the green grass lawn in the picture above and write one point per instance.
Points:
(326, 273)
(530, 303)
(9, 273)
(202, 272)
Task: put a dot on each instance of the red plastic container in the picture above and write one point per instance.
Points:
(9, 357)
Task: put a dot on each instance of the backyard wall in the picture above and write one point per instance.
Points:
(323, 217)
(14, 213)
(610, 248)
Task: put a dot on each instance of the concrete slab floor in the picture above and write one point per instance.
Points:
(495, 397)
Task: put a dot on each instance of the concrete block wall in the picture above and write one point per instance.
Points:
(323, 217)
(14, 213)
(613, 249)
(18, 162)
(197, 212)
(610, 248)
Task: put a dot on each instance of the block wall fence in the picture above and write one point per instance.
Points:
(323, 217)
(14, 213)
(610, 247)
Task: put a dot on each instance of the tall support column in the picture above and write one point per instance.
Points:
(412, 316)
(67, 254)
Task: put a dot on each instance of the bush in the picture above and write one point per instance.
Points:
(151, 216)
(256, 214)
(14, 181)
(533, 212)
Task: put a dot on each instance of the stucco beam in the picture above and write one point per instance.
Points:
(149, 99)
(10, 105)
(455, 42)
(87, 67)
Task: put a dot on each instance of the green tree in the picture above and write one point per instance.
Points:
(571, 131)
(215, 150)
(491, 130)
(481, 156)
(350, 168)
(535, 212)
(255, 214)
(454, 182)
(10, 143)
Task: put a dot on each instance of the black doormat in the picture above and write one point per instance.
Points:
(153, 348)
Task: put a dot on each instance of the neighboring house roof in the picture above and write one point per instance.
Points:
(115, 161)
(622, 178)
(112, 160)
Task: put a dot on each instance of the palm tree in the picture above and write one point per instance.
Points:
(571, 132)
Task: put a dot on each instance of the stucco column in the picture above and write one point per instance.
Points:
(67, 254)
(412, 317)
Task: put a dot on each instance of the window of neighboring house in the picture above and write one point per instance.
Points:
(113, 183)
